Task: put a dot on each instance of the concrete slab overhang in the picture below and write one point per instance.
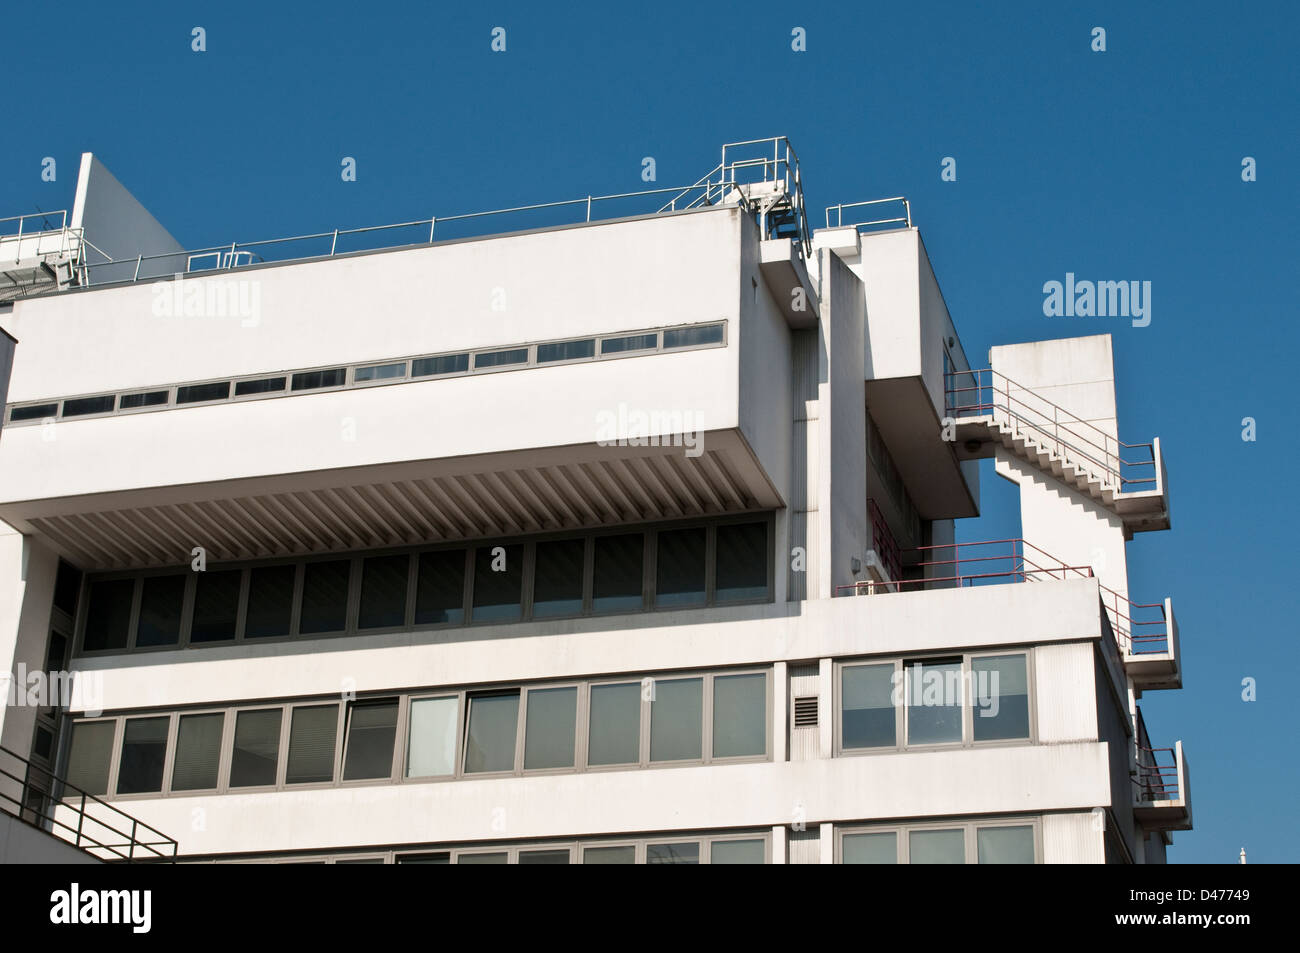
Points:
(400, 503)
(904, 414)
(787, 278)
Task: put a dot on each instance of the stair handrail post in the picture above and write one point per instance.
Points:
(81, 817)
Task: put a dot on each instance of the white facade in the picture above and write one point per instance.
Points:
(781, 439)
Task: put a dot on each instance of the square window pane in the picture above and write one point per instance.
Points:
(198, 752)
(216, 605)
(543, 857)
(688, 853)
(557, 578)
(867, 699)
(738, 852)
(372, 732)
(881, 848)
(144, 750)
(324, 596)
(937, 847)
(1005, 845)
(312, 731)
(498, 582)
(679, 577)
(90, 756)
(108, 614)
(1000, 685)
(739, 715)
(617, 580)
(492, 858)
(934, 701)
(622, 854)
(693, 337)
(493, 727)
(551, 721)
(257, 748)
(440, 588)
(631, 342)
(741, 567)
(431, 745)
(383, 591)
(615, 733)
(566, 351)
(433, 366)
(161, 602)
(676, 716)
(270, 602)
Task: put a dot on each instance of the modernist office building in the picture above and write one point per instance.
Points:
(614, 531)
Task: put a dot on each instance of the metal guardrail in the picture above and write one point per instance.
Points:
(1157, 774)
(32, 231)
(883, 542)
(44, 801)
(871, 224)
(1137, 629)
(987, 393)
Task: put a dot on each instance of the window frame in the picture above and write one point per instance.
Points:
(968, 825)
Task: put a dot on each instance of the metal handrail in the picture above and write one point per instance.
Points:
(54, 794)
(883, 541)
(231, 250)
(905, 219)
(1022, 566)
(1157, 781)
(1136, 636)
(1107, 455)
(63, 222)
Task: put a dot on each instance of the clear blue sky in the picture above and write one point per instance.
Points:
(1117, 165)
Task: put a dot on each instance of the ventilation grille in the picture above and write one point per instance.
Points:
(805, 712)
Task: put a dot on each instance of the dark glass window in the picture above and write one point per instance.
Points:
(257, 748)
(324, 596)
(90, 756)
(270, 602)
(741, 572)
(379, 372)
(440, 588)
(372, 731)
(67, 588)
(557, 578)
(34, 412)
(676, 716)
(672, 853)
(617, 573)
(934, 702)
(80, 406)
(161, 601)
(266, 385)
(739, 715)
(515, 355)
(565, 351)
(633, 342)
(383, 591)
(108, 614)
(498, 582)
(144, 750)
(312, 732)
(194, 393)
(693, 337)
(544, 856)
(1000, 686)
(867, 702)
(309, 380)
(447, 364)
(198, 752)
(614, 732)
(550, 726)
(679, 576)
(216, 605)
(147, 399)
(493, 728)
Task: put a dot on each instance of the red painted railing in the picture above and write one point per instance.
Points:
(1157, 777)
(883, 542)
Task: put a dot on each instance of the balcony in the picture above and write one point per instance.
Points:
(63, 811)
(1147, 637)
(1161, 796)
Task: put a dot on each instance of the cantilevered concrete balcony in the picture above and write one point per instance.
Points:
(589, 375)
(1162, 799)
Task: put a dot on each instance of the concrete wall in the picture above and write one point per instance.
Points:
(23, 844)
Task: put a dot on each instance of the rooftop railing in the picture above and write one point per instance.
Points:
(44, 800)
(855, 209)
(987, 393)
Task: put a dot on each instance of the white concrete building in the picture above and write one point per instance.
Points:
(629, 539)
